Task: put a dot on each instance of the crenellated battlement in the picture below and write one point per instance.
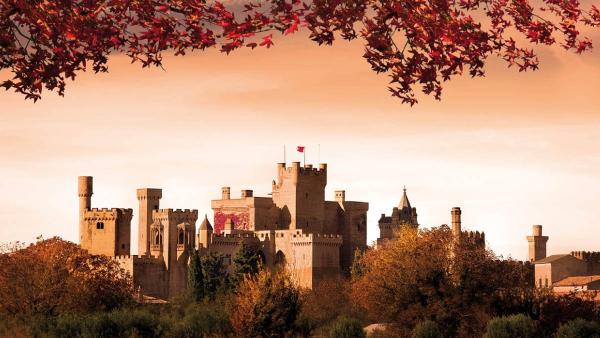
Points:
(475, 236)
(107, 214)
(178, 215)
(302, 239)
(590, 256)
(306, 170)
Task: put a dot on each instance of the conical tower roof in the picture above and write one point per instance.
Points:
(206, 224)
(404, 202)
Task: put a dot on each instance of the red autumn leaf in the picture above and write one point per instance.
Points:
(400, 38)
(267, 42)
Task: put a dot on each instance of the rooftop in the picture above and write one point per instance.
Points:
(577, 280)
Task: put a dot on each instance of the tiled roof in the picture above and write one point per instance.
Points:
(550, 259)
(577, 280)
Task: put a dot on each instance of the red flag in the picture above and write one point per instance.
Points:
(300, 149)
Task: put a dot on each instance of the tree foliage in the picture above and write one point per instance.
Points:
(266, 305)
(427, 275)
(512, 326)
(54, 276)
(247, 260)
(346, 327)
(579, 328)
(418, 43)
(195, 277)
(427, 329)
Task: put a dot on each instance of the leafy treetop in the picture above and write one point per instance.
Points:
(418, 43)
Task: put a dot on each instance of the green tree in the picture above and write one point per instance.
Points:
(195, 277)
(579, 328)
(214, 274)
(512, 326)
(427, 329)
(247, 260)
(346, 327)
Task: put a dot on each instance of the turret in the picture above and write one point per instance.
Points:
(205, 234)
(149, 200)
(456, 222)
(537, 244)
(85, 191)
(340, 196)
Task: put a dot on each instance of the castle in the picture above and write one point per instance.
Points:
(296, 226)
(406, 215)
(572, 272)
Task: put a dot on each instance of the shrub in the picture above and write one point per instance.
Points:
(346, 327)
(579, 328)
(511, 326)
(427, 329)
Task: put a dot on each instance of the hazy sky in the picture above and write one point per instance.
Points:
(512, 149)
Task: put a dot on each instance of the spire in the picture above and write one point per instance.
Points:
(404, 203)
(205, 224)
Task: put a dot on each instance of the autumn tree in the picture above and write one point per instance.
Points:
(418, 43)
(428, 275)
(54, 276)
(266, 305)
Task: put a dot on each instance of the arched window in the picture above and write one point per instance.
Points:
(181, 238)
(100, 225)
(156, 237)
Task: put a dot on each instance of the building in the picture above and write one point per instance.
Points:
(574, 271)
(166, 238)
(401, 215)
(406, 215)
(295, 226)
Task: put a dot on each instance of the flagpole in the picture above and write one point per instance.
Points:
(304, 156)
(319, 154)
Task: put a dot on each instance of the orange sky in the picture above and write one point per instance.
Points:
(511, 149)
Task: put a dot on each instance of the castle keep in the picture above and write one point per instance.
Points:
(296, 226)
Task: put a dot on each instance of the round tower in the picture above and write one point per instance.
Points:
(85, 191)
(456, 222)
(537, 244)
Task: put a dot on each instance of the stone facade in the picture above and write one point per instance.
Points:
(406, 215)
(563, 271)
(401, 215)
(315, 238)
(166, 238)
(296, 226)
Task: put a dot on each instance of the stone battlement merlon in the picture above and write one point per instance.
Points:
(592, 256)
(307, 169)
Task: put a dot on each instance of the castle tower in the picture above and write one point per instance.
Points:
(206, 231)
(537, 244)
(85, 191)
(300, 193)
(149, 200)
(456, 222)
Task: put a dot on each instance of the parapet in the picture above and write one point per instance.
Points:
(589, 256)
(108, 213)
(476, 236)
(149, 194)
(300, 238)
(180, 215)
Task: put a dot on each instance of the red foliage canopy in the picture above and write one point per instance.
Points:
(417, 42)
